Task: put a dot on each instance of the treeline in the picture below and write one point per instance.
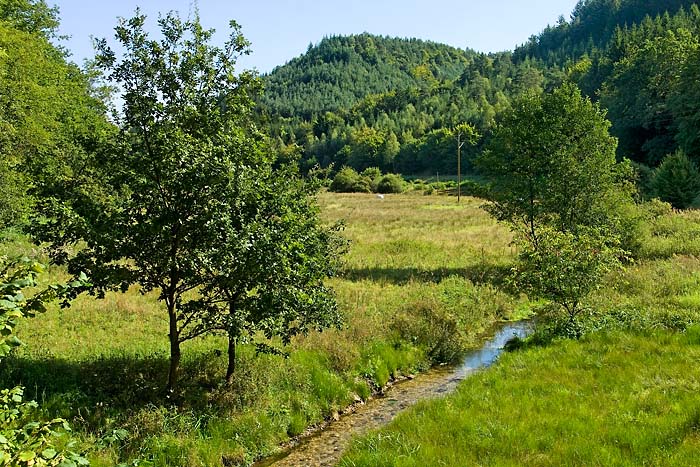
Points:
(396, 111)
(640, 59)
(50, 114)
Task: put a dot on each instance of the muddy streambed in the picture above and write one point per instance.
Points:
(325, 448)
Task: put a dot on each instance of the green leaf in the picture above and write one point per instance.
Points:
(26, 456)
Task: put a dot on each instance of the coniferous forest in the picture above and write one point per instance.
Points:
(366, 101)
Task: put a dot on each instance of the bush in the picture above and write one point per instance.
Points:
(447, 322)
(677, 180)
(349, 181)
(565, 268)
(391, 183)
(373, 175)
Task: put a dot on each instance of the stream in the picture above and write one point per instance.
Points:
(325, 447)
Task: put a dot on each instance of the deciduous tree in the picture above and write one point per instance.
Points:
(186, 201)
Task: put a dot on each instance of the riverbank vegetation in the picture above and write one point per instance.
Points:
(421, 282)
(612, 398)
(217, 263)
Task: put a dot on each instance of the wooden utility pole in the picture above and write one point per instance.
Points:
(460, 143)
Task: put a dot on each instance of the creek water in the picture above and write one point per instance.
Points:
(325, 447)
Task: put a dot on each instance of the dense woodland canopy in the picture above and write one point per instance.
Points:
(374, 101)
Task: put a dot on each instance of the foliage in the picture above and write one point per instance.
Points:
(347, 180)
(280, 229)
(49, 116)
(186, 186)
(15, 278)
(677, 181)
(639, 94)
(371, 180)
(24, 441)
(555, 181)
(637, 56)
(552, 162)
(565, 268)
(391, 183)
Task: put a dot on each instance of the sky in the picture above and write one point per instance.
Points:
(281, 30)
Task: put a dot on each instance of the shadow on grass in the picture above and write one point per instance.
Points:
(493, 274)
(120, 382)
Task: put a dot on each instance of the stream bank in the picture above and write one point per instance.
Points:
(325, 447)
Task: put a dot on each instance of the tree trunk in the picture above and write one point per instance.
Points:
(175, 354)
(231, 368)
(232, 341)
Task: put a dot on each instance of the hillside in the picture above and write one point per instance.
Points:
(375, 101)
(340, 71)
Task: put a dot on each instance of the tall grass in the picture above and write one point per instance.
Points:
(626, 394)
(102, 363)
(612, 399)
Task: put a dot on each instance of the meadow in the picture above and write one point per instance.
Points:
(422, 282)
(624, 394)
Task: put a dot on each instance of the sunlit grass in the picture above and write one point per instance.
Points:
(103, 363)
(611, 399)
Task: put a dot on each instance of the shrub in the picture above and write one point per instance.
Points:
(448, 321)
(373, 175)
(347, 180)
(391, 183)
(677, 180)
(565, 268)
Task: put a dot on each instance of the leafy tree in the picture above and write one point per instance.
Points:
(677, 180)
(565, 267)
(391, 183)
(556, 182)
(265, 275)
(639, 93)
(347, 180)
(551, 161)
(372, 148)
(49, 116)
(183, 185)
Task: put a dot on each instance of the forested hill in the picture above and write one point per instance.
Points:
(367, 101)
(341, 70)
(591, 26)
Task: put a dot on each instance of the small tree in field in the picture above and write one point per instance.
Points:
(677, 180)
(184, 197)
(556, 182)
(265, 275)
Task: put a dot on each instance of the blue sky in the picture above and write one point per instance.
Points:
(282, 30)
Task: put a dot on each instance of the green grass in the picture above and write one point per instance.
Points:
(610, 399)
(626, 394)
(424, 277)
(102, 363)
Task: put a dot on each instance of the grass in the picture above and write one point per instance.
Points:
(423, 278)
(102, 363)
(624, 395)
(610, 399)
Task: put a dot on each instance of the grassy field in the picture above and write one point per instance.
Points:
(624, 395)
(615, 399)
(422, 281)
